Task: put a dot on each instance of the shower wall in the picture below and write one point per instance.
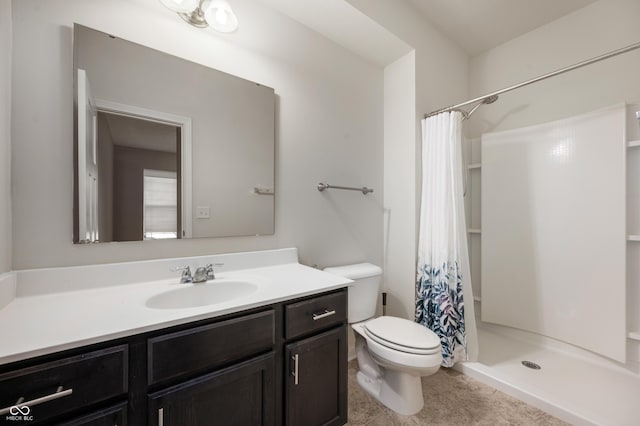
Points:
(601, 27)
(553, 230)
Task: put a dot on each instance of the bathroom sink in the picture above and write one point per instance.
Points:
(197, 295)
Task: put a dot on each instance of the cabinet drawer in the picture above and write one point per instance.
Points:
(58, 387)
(315, 314)
(207, 347)
(112, 416)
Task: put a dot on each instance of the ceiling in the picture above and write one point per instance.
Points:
(475, 25)
(345, 25)
(480, 25)
(142, 134)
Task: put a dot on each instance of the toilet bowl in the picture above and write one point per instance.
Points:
(393, 353)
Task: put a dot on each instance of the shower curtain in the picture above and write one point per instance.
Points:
(443, 281)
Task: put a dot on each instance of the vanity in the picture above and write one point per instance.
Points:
(264, 343)
(124, 354)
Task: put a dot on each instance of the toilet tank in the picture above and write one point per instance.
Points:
(363, 293)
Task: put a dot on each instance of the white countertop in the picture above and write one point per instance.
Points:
(43, 323)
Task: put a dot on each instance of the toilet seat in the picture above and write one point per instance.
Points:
(402, 335)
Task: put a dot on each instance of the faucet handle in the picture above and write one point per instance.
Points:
(210, 272)
(186, 273)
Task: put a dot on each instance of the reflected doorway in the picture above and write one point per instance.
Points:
(139, 178)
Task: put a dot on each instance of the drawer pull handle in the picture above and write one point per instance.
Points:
(295, 369)
(326, 313)
(59, 393)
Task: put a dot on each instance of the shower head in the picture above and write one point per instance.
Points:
(490, 99)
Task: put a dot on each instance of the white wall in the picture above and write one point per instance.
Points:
(553, 231)
(440, 80)
(591, 31)
(399, 151)
(5, 136)
(329, 128)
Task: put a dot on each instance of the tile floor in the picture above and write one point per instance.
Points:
(451, 398)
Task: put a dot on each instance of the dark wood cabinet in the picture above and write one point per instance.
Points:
(315, 314)
(316, 389)
(232, 363)
(236, 369)
(316, 384)
(203, 348)
(50, 390)
(238, 395)
(112, 416)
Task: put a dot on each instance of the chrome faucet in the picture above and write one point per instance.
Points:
(202, 274)
(186, 274)
(205, 273)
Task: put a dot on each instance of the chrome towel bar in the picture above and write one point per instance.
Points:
(323, 186)
(263, 191)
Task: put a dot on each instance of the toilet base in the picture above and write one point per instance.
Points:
(397, 390)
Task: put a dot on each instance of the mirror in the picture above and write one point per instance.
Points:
(166, 148)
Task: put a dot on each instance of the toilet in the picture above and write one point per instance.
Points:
(393, 353)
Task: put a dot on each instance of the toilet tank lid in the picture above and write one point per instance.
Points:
(356, 271)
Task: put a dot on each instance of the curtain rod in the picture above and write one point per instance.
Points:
(488, 96)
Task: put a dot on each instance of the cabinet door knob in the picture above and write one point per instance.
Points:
(326, 313)
(295, 369)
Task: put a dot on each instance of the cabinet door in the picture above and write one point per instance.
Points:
(243, 394)
(316, 386)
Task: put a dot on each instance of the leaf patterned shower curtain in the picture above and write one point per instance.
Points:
(443, 281)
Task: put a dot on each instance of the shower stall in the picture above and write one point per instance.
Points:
(553, 215)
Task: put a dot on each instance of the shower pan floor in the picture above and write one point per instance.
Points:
(573, 388)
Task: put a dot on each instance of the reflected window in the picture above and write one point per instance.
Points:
(160, 204)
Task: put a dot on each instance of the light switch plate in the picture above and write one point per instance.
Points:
(203, 212)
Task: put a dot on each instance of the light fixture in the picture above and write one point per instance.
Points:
(216, 14)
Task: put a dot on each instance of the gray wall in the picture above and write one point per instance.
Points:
(128, 187)
(329, 128)
(5, 136)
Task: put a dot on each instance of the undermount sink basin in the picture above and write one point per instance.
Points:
(196, 295)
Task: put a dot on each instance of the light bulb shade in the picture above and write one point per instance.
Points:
(220, 17)
(181, 6)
